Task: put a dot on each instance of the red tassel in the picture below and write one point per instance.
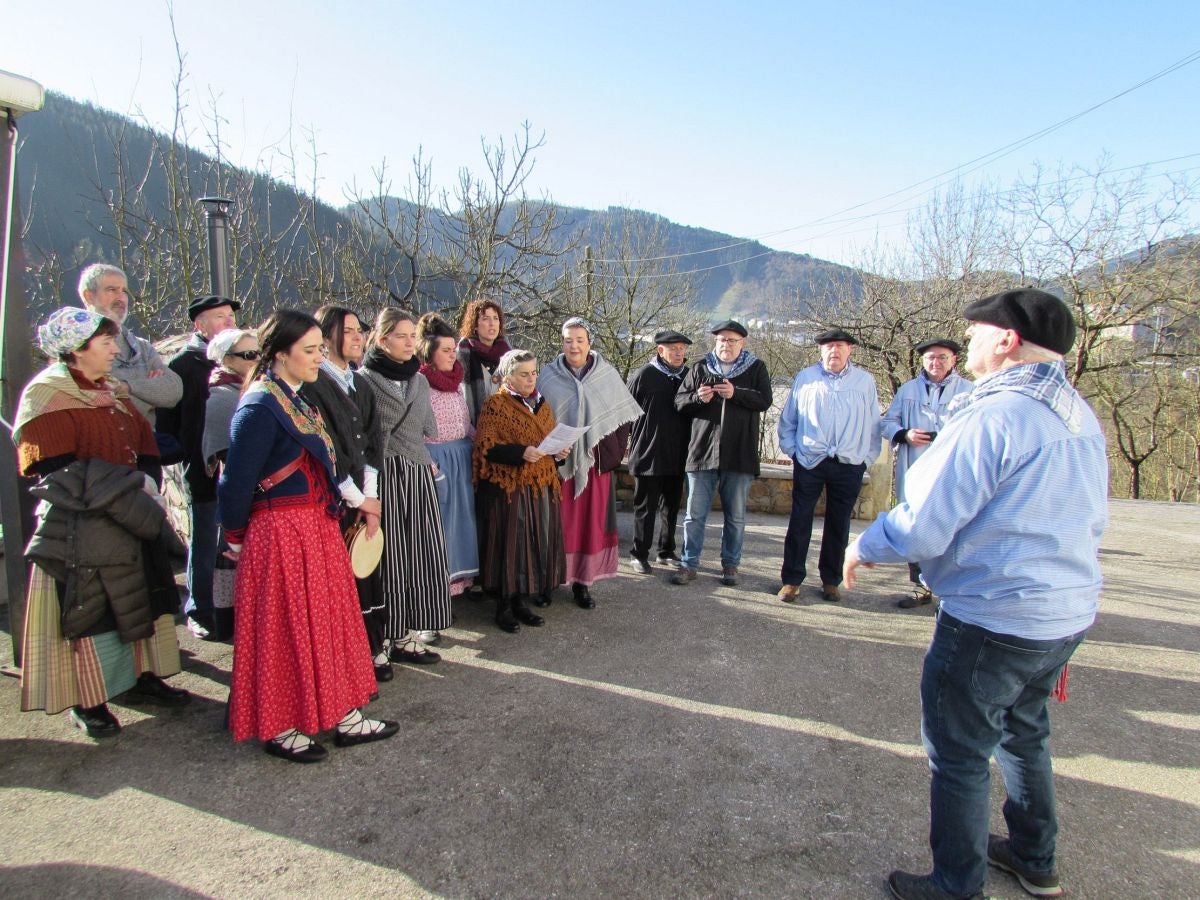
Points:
(1060, 686)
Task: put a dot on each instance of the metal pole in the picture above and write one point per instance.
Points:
(16, 507)
(216, 214)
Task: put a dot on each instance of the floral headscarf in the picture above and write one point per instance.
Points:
(67, 330)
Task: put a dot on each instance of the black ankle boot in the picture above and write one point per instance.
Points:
(504, 616)
(524, 614)
(583, 597)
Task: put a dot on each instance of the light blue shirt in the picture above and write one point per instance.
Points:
(831, 415)
(1004, 513)
(920, 403)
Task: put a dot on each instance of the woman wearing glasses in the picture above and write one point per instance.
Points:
(235, 352)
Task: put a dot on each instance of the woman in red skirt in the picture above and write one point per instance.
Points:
(301, 660)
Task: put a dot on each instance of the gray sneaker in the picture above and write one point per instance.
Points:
(729, 575)
(1039, 884)
(907, 886)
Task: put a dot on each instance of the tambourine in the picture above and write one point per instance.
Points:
(365, 552)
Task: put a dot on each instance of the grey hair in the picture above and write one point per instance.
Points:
(577, 322)
(91, 275)
(510, 360)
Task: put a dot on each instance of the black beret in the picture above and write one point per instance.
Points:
(950, 345)
(670, 336)
(1038, 317)
(212, 301)
(835, 334)
(730, 325)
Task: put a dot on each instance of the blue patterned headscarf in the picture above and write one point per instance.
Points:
(67, 330)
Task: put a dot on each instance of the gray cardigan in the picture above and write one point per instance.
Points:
(405, 415)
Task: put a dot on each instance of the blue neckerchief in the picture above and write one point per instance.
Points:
(677, 374)
(744, 361)
(836, 376)
(1045, 382)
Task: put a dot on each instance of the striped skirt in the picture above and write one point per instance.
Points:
(522, 546)
(456, 498)
(590, 529)
(58, 673)
(416, 582)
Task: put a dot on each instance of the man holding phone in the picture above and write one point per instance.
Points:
(916, 415)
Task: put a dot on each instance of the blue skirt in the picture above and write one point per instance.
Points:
(456, 497)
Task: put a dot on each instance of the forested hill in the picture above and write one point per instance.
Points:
(69, 179)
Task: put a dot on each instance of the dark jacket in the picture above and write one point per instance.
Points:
(97, 536)
(351, 421)
(724, 433)
(185, 420)
(660, 436)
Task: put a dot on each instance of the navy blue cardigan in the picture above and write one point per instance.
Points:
(264, 439)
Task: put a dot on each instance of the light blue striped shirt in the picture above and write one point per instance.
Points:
(831, 415)
(1004, 513)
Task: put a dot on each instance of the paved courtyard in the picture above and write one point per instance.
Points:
(675, 742)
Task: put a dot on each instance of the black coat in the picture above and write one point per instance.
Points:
(185, 420)
(659, 442)
(724, 433)
(352, 424)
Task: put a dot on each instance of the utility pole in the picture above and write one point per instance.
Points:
(589, 275)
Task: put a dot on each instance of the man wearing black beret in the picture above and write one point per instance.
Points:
(1004, 512)
(657, 450)
(210, 316)
(913, 420)
(829, 428)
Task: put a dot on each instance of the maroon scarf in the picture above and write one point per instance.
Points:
(446, 382)
(490, 355)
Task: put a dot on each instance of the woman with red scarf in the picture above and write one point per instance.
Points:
(451, 448)
(479, 351)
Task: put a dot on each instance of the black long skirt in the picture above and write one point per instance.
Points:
(521, 541)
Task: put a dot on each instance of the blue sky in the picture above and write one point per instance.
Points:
(745, 118)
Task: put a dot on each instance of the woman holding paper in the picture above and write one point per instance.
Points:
(585, 391)
(521, 554)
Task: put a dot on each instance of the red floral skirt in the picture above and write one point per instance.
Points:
(301, 658)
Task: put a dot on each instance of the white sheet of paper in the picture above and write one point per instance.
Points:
(560, 438)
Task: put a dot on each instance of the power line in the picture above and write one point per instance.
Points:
(856, 219)
(965, 168)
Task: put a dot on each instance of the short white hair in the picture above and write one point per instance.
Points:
(510, 360)
(90, 277)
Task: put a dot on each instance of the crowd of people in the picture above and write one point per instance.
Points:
(490, 477)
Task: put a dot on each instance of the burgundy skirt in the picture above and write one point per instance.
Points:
(301, 658)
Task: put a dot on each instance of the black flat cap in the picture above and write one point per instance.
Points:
(1038, 317)
(670, 336)
(212, 301)
(835, 334)
(950, 345)
(730, 325)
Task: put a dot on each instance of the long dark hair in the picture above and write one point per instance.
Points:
(278, 334)
(468, 327)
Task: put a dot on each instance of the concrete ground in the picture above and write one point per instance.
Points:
(674, 742)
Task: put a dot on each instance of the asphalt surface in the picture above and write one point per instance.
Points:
(698, 741)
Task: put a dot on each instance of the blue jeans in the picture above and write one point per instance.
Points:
(202, 558)
(984, 693)
(733, 487)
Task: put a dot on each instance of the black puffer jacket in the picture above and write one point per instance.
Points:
(95, 527)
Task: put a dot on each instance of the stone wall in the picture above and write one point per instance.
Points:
(771, 492)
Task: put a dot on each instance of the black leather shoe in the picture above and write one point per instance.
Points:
(417, 657)
(97, 721)
(583, 597)
(354, 738)
(506, 621)
(311, 752)
(153, 690)
(541, 600)
(384, 673)
(525, 615)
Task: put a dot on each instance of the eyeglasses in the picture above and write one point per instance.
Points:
(939, 357)
(731, 340)
(247, 355)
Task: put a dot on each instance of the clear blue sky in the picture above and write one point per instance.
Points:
(742, 117)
